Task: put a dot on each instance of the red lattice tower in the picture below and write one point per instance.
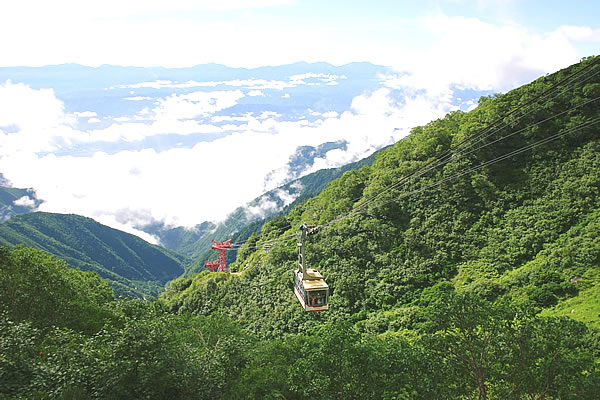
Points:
(220, 265)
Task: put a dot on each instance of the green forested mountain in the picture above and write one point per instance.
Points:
(501, 203)
(464, 263)
(132, 265)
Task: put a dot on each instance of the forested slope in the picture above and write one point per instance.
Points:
(500, 204)
(133, 265)
(496, 215)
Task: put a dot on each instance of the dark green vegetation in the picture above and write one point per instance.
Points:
(132, 265)
(473, 276)
(64, 335)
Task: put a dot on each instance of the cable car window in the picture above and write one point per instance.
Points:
(317, 297)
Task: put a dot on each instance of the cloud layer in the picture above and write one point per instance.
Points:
(114, 169)
(183, 186)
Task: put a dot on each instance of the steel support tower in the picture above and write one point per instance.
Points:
(220, 265)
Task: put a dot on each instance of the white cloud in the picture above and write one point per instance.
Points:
(580, 33)
(254, 93)
(86, 114)
(327, 78)
(186, 186)
(243, 33)
(138, 98)
(191, 105)
(221, 118)
(24, 201)
(136, 131)
(479, 55)
(35, 119)
(268, 114)
(173, 114)
(17, 101)
(257, 84)
(377, 103)
(264, 206)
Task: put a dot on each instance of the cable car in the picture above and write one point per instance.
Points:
(309, 285)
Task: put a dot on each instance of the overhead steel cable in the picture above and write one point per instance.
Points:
(513, 153)
(533, 125)
(405, 182)
(447, 155)
(495, 160)
(538, 103)
(503, 157)
(468, 143)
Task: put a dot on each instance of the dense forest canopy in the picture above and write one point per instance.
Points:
(463, 263)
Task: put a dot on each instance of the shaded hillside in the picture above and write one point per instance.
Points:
(15, 201)
(502, 203)
(132, 265)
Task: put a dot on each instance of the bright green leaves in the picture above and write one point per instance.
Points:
(497, 351)
(38, 287)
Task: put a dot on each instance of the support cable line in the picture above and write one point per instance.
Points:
(448, 155)
(498, 159)
(468, 146)
(452, 157)
(446, 179)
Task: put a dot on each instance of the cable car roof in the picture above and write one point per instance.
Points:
(313, 284)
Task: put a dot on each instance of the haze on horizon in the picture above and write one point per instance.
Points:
(432, 48)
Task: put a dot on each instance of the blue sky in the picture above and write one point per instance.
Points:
(100, 161)
(272, 32)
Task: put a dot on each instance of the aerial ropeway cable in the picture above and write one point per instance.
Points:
(466, 146)
(303, 277)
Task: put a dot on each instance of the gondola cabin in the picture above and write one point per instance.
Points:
(313, 293)
(309, 285)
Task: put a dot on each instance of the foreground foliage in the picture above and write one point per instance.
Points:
(99, 347)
